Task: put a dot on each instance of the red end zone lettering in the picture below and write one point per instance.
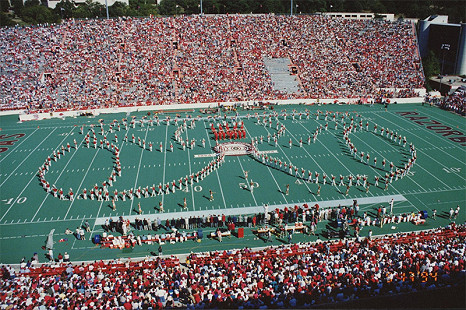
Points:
(407, 113)
(438, 127)
(435, 126)
(450, 132)
(9, 142)
(413, 118)
(458, 139)
(16, 135)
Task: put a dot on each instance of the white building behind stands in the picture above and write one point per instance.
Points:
(346, 15)
(53, 3)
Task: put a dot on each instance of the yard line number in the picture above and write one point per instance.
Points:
(20, 200)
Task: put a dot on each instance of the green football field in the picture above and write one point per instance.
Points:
(28, 213)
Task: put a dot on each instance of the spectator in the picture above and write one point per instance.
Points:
(298, 275)
(86, 64)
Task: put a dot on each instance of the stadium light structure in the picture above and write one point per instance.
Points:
(444, 47)
(201, 7)
(106, 8)
(291, 8)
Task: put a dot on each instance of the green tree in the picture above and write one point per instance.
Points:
(335, 5)
(141, 8)
(238, 6)
(117, 9)
(377, 6)
(211, 6)
(4, 5)
(167, 7)
(6, 20)
(431, 66)
(17, 6)
(30, 3)
(38, 14)
(64, 9)
(354, 6)
(90, 9)
(313, 6)
(191, 6)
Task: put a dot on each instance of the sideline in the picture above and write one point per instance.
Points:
(255, 209)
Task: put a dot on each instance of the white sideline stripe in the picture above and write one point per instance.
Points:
(419, 165)
(204, 155)
(17, 146)
(249, 187)
(216, 170)
(33, 177)
(85, 175)
(164, 164)
(19, 165)
(47, 195)
(257, 209)
(289, 158)
(190, 172)
(269, 152)
(139, 168)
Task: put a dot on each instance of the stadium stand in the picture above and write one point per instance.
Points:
(455, 102)
(82, 64)
(292, 276)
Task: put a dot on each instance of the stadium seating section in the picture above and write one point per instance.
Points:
(292, 276)
(83, 64)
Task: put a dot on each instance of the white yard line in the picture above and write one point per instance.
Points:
(33, 177)
(273, 177)
(216, 170)
(93, 227)
(12, 150)
(417, 165)
(260, 209)
(88, 168)
(446, 116)
(82, 181)
(139, 168)
(327, 150)
(190, 171)
(284, 153)
(164, 163)
(432, 133)
(47, 195)
(379, 154)
(24, 188)
(19, 165)
(242, 169)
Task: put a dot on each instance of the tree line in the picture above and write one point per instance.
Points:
(35, 12)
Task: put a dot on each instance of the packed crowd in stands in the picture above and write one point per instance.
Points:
(455, 102)
(131, 61)
(291, 276)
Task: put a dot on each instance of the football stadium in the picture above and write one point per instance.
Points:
(227, 161)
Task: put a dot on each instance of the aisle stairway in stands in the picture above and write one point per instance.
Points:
(279, 70)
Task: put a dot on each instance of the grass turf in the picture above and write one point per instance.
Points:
(28, 213)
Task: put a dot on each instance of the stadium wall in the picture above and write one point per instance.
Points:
(24, 116)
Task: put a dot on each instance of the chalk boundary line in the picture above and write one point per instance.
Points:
(254, 209)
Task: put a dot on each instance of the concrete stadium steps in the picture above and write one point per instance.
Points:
(280, 74)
